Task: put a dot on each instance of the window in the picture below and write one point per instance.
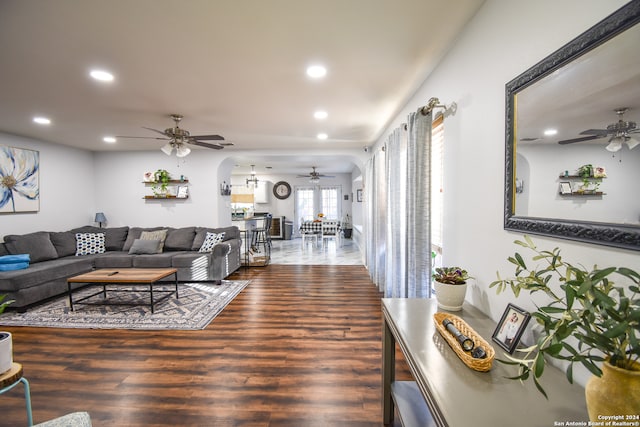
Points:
(310, 201)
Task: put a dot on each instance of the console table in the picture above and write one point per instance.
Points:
(448, 393)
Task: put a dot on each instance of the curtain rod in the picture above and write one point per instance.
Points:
(431, 104)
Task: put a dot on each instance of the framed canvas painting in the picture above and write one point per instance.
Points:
(19, 180)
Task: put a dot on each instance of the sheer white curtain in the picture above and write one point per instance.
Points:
(397, 211)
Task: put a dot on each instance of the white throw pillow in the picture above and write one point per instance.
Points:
(210, 241)
(89, 243)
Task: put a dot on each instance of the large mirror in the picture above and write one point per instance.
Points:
(578, 107)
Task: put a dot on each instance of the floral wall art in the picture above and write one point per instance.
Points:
(19, 180)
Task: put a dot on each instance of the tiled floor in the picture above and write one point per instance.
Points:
(292, 252)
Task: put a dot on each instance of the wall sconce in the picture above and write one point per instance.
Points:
(225, 189)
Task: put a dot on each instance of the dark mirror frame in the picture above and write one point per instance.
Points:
(609, 234)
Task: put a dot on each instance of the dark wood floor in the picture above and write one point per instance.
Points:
(300, 346)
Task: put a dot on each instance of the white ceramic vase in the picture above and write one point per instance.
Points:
(6, 352)
(450, 297)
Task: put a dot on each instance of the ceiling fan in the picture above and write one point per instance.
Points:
(314, 176)
(178, 138)
(619, 131)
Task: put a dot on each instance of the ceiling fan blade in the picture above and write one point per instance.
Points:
(304, 176)
(326, 176)
(143, 137)
(205, 144)
(161, 132)
(208, 137)
(586, 138)
(602, 132)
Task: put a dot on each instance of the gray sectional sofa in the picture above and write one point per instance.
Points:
(53, 258)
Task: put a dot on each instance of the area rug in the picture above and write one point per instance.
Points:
(198, 305)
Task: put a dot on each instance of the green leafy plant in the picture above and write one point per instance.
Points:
(451, 275)
(3, 303)
(588, 319)
(161, 179)
(585, 171)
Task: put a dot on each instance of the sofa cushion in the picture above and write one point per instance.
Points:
(114, 259)
(38, 245)
(134, 233)
(179, 239)
(201, 234)
(64, 242)
(144, 246)
(3, 249)
(114, 237)
(160, 235)
(210, 241)
(153, 261)
(89, 244)
(43, 272)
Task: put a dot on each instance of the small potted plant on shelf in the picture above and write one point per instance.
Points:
(450, 287)
(161, 183)
(6, 348)
(588, 320)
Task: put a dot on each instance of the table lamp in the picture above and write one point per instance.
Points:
(100, 218)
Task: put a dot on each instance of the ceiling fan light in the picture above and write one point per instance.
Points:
(183, 151)
(614, 146)
(632, 143)
(314, 180)
(167, 148)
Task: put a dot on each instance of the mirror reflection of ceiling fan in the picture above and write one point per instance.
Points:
(620, 132)
(179, 138)
(314, 176)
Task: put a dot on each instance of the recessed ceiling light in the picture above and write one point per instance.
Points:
(320, 115)
(550, 132)
(323, 136)
(109, 139)
(316, 71)
(101, 75)
(42, 120)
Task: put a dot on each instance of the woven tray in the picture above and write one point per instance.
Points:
(482, 365)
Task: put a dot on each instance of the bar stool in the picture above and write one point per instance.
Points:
(262, 237)
(12, 378)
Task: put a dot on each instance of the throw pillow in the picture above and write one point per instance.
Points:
(145, 247)
(155, 235)
(89, 244)
(210, 241)
(38, 245)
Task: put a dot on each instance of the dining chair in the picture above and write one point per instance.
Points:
(331, 230)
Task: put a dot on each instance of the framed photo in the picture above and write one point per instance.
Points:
(183, 192)
(510, 328)
(359, 195)
(565, 187)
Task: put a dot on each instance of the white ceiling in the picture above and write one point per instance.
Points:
(235, 68)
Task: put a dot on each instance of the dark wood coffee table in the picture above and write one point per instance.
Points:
(118, 278)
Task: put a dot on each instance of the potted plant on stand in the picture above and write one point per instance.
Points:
(450, 287)
(6, 348)
(347, 228)
(589, 320)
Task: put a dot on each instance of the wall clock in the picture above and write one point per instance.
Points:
(282, 190)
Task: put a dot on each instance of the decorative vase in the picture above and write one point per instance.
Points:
(450, 297)
(616, 392)
(6, 352)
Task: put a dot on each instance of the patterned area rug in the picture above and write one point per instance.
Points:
(198, 305)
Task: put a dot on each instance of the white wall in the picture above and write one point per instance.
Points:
(504, 39)
(548, 162)
(66, 189)
(119, 183)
